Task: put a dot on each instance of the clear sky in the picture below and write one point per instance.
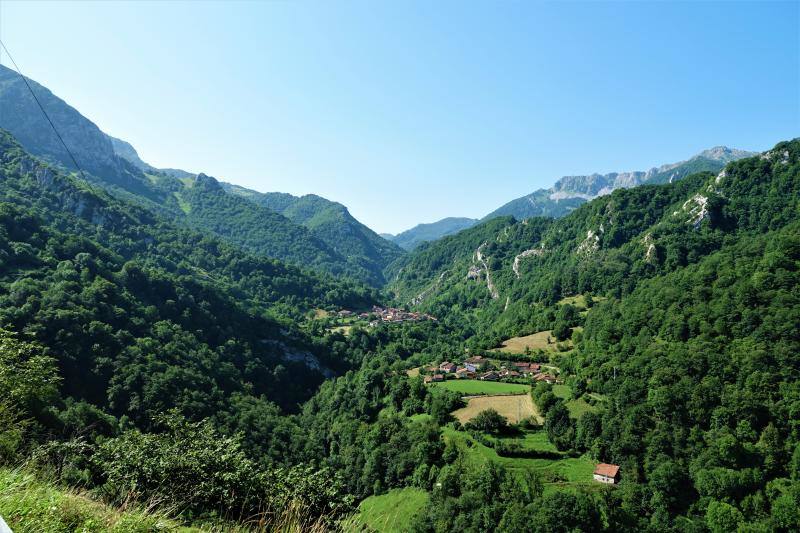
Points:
(408, 112)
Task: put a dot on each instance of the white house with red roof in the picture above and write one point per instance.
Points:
(606, 473)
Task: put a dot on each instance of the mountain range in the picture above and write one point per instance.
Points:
(571, 191)
(311, 232)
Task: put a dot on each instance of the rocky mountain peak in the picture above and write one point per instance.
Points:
(724, 154)
(207, 182)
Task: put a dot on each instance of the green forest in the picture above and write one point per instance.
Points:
(180, 375)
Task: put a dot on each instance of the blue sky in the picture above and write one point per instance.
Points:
(408, 112)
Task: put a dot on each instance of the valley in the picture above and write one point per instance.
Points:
(619, 351)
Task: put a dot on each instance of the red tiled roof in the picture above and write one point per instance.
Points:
(607, 470)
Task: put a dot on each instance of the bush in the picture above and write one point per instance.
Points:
(513, 448)
(192, 466)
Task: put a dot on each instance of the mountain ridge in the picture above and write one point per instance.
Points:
(568, 192)
(335, 243)
(413, 237)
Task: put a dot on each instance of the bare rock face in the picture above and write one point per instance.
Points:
(697, 208)
(527, 253)
(650, 249)
(590, 244)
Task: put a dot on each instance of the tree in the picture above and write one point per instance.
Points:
(566, 512)
(559, 426)
(489, 421)
(722, 517)
(562, 331)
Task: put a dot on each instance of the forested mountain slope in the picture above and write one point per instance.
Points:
(333, 241)
(569, 192)
(411, 238)
(331, 223)
(606, 245)
(93, 149)
(143, 315)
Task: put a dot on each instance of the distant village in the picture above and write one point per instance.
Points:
(386, 315)
(482, 368)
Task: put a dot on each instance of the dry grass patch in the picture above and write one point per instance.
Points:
(513, 407)
(536, 341)
(412, 372)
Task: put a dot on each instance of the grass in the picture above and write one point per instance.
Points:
(413, 372)
(29, 504)
(345, 330)
(183, 204)
(391, 512)
(514, 408)
(562, 391)
(576, 407)
(476, 387)
(563, 472)
(579, 302)
(535, 440)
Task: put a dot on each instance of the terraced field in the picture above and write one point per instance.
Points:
(561, 472)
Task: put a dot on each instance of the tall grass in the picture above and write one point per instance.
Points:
(30, 504)
(33, 503)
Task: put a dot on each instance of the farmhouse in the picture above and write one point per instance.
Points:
(464, 373)
(490, 376)
(475, 363)
(544, 377)
(447, 367)
(437, 377)
(606, 473)
(527, 368)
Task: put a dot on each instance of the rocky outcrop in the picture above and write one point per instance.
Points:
(419, 298)
(481, 259)
(527, 253)
(590, 244)
(650, 249)
(296, 355)
(697, 208)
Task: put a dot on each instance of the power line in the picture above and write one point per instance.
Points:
(41, 107)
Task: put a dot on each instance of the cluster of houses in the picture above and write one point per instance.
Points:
(392, 314)
(478, 367)
(386, 314)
